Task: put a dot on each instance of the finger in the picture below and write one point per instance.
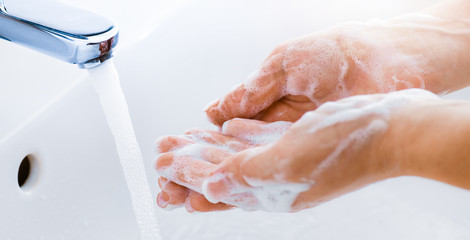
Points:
(263, 88)
(203, 151)
(173, 197)
(196, 202)
(215, 155)
(162, 181)
(162, 200)
(184, 170)
(172, 194)
(218, 139)
(223, 187)
(247, 181)
(170, 143)
(176, 195)
(228, 184)
(289, 108)
(255, 131)
(210, 146)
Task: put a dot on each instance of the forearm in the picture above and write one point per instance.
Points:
(451, 44)
(439, 40)
(450, 9)
(435, 141)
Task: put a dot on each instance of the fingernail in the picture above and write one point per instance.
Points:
(161, 202)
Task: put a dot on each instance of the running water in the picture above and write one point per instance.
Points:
(105, 80)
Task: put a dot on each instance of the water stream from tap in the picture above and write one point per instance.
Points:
(105, 80)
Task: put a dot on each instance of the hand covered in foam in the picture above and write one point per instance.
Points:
(206, 147)
(356, 58)
(282, 167)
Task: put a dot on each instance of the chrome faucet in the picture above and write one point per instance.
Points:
(59, 30)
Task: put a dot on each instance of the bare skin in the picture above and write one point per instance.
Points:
(353, 59)
(405, 146)
(304, 73)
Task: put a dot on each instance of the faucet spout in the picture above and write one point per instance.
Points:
(67, 33)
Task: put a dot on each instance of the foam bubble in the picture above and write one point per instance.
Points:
(193, 150)
(259, 195)
(378, 104)
(275, 196)
(265, 134)
(307, 65)
(357, 137)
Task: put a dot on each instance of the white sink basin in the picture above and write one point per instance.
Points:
(77, 190)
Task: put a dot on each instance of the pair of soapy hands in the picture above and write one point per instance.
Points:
(292, 137)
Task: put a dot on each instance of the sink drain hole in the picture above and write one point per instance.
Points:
(26, 172)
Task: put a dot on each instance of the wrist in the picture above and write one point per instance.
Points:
(431, 139)
(402, 142)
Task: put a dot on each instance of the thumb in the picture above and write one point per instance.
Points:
(254, 180)
(226, 187)
(231, 182)
(263, 88)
